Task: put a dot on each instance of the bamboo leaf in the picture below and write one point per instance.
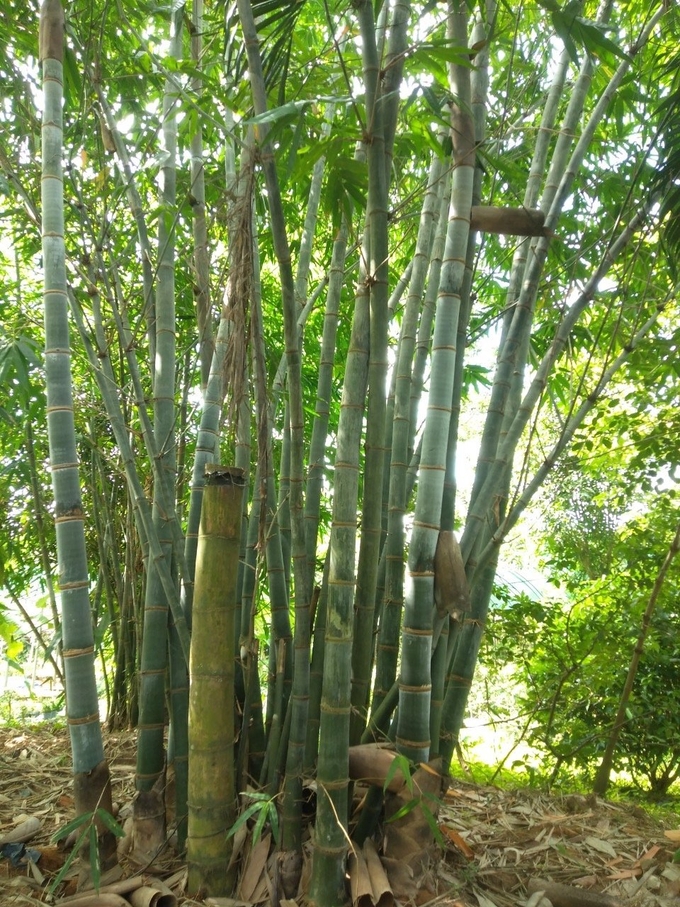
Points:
(110, 822)
(243, 818)
(574, 29)
(257, 795)
(274, 114)
(70, 859)
(399, 764)
(66, 830)
(259, 823)
(404, 810)
(274, 822)
(432, 822)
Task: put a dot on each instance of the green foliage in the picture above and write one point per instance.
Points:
(569, 656)
(575, 31)
(580, 523)
(265, 810)
(86, 826)
(403, 766)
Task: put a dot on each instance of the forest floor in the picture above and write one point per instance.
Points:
(503, 847)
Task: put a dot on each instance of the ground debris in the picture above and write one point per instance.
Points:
(498, 844)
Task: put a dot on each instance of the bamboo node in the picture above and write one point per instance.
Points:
(421, 688)
(86, 719)
(75, 653)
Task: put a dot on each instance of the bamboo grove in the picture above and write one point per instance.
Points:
(328, 246)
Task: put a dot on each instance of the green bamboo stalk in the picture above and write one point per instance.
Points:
(396, 296)
(150, 742)
(271, 533)
(207, 442)
(485, 489)
(252, 732)
(440, 663)
(278, 657)
(317, 445)
(186, 380)
(327, 884)
(320, 425)
(328, 879)
(479, 84)
(178, 735)
(45, 558)
(249, 583)
(379, 104)
(320, 598)
(311, 217)
(242, 456)
(401, 436)
(392, 74)
(212, 789)
(199, 221)
(484, 558)
(108, 545)
(413, 733)
(124, 695)
(390, 619)
(424, 340)
(92, 785)
(137, 210)
(462, 664)
(104, 519)
(292, 800)
(283, 504)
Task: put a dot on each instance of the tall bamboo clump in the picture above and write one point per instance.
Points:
(379, 455)
(92, 784)
(380, 602)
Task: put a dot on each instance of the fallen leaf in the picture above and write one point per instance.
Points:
(648, 855)
(254, 869)
(482, 900)
(600, 845)
(626, 873)
(458, 841)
